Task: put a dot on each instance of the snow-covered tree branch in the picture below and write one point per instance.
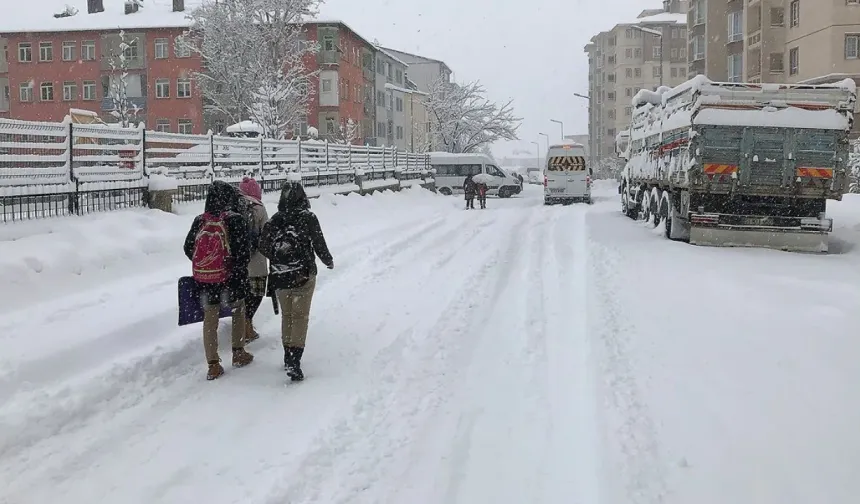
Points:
(255, 41)
(348, 132)
(123, 109)
(466, 120)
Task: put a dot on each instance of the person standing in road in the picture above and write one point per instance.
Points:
(292, 240)
(258, 267)
(217, 245)
(469, 188)
(481, 188)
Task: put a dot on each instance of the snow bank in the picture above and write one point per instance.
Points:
(158, 182)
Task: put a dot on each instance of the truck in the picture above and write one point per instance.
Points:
(738, 164)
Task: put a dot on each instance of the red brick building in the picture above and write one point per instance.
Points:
(345, 87)
(50, 65)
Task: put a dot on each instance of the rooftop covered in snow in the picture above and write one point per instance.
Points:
(40, 16)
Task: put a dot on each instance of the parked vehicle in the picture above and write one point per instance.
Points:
(534, 175)
(567, 178)
(452, 169)
(737, 164)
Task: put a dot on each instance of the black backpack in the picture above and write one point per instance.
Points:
(246, 210)
(292, 253)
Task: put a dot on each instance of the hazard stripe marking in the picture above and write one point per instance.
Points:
(716, 169)
(811, 172)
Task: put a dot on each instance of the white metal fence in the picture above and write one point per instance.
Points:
(51, 169)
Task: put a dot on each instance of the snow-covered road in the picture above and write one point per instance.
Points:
(518, 354)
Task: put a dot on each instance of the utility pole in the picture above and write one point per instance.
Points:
(560, 123)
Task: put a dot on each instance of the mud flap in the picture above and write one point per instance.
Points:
(789, 240)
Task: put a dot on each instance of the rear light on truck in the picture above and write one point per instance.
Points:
(587, 180)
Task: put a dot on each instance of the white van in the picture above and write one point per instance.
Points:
(452, 169)
(535, 175)
(567, 178)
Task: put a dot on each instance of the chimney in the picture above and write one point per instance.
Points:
(95, 6)
(131, 6)
(178, 5)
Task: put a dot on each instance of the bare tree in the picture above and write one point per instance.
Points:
(466, 120)
(347, 132)
(254, 41)
(123, 109)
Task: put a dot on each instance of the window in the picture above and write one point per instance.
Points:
(130, 49)
(25, 52)
(793, 61)
(326, 85)
(328, 43)
(682, 53)
(88, 50)
(637, 72)
(181, 48)
(162, 88)
(657, 52)
(183, 88)
(400, 132)
(628, 33)
(400, 76)
(70, 91)
(162, 50)
(46, 91)
(380, 98)
(610, 96)
(46, 51)
(25, 92)
(852, 46)
(611, 114)
(777, 16)
(186, 127)
(637, 53)
(735, 67)
(628, 111)
(613, 40)
(735, 25)
(628, 92)
(777, 62)
(611, 132)
(89, 90)
(380, 67)
(628, 53)
(628, 72)
(380, 129)
(656, 71)
(674, 72)
(69, 51)
(162, 125)
(610, 77)
(698, 47)
(400, 104)
(794, 13)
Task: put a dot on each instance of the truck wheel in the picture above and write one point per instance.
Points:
(645, 207)
(667, 213)
(655, 205)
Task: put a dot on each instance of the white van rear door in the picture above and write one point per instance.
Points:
(567, 175)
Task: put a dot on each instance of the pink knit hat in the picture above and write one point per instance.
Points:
(251, 187)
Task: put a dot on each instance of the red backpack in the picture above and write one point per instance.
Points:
(211, 259)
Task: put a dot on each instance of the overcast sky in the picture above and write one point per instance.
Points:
(530, 51)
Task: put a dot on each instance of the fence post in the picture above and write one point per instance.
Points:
(262, 155)
(143, 152)
(73, 197)
(300, 155)
(211, 156)
(327, 161)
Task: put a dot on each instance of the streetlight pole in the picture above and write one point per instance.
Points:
(547, 140)
(538, 153)
(659, 35)
(560, 123)
(591, 130)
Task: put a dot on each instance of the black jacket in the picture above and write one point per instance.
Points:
(469, 186)
(223, 197)
(294, 208)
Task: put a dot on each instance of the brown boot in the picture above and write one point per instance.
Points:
(215, 371)
(241, 358)
(251, 333)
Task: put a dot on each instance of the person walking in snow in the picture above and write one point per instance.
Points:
(292, 240)
(217, 245)
(469, 188)
(481, 188)
(258, 267)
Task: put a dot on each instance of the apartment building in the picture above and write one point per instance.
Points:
(53, 62)
(629, 57)
(423, 71)
(391, 119)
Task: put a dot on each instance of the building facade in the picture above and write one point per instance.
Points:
(391, 122)
(422, 71)
(113, 63)
(643, 54)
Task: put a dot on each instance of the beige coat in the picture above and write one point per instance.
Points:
(259, 266)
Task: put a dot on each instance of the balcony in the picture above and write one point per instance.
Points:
(754, 38)
(136, 101)
(328, 58)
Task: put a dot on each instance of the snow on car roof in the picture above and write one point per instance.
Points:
(38, 16)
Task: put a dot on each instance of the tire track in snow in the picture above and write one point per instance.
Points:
(362, 447)
(641, 472)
